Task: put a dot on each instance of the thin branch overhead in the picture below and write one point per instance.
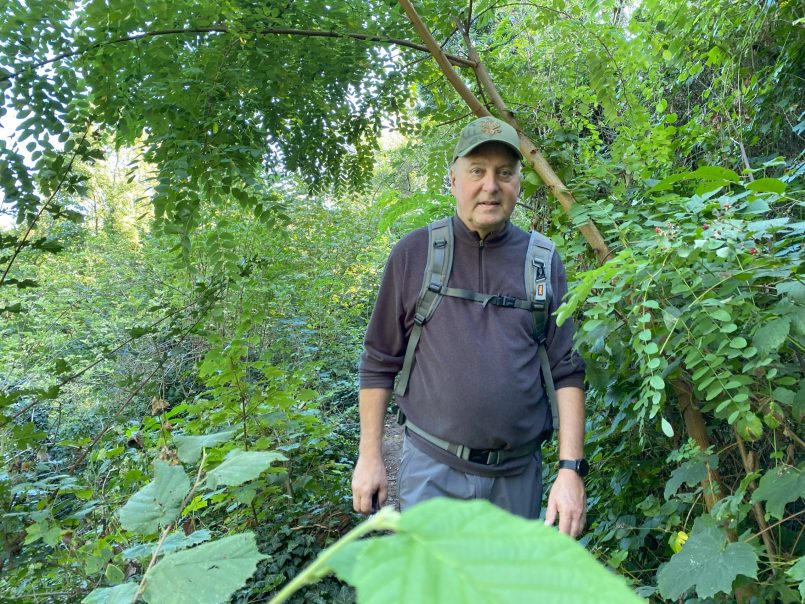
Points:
(269, 31)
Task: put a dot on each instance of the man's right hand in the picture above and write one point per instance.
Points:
(369, 478)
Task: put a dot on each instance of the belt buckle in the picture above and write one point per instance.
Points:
(485, 456)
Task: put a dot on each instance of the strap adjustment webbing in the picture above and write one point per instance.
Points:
(489, 457)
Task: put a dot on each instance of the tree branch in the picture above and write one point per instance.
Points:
(537, 160)
(443, 61)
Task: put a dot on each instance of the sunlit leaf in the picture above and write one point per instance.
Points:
(158, 503)
(472, 551)
(206, 574)
(241, 466)
(766, 185)
(189, 447)
(119, 594)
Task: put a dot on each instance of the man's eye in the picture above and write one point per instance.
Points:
(506, 174)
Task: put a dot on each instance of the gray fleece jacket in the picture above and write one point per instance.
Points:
(476, 377)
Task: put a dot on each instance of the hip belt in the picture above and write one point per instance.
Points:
(489, 457)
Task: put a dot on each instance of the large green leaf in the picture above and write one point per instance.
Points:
(691, 472)
(173, 542)
(766, 185)
(119, 594)
(206, 574)
(189, 447)
(770, 336)
(708, 562)
(241, 466)
(716, 173)
(473, 552)
(158, 503)
(797, 572)
(778, 487)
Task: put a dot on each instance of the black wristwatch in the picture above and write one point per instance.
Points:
(579, 466)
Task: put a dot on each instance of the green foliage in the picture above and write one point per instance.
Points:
(797, 572)
(205, 574)
(779, 487)
(119, 594)
(225, 316)
(157, 504)
(189, 448)
(241, 466)
(463, 551)
(708, 562)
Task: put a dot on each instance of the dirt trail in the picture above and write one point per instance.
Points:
(392, 448)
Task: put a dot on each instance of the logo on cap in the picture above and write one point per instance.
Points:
(490, 128)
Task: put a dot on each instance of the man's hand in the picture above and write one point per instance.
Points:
(369, 478)
(567, 499)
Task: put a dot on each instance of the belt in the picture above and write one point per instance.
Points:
(489, 457)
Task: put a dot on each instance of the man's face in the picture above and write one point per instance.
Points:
(485, 184)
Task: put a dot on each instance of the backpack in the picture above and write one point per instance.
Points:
(537, 275)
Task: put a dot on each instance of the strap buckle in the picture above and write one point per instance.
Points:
(503, 301)
(540, 266)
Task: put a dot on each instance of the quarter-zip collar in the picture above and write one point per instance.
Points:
(462, 233)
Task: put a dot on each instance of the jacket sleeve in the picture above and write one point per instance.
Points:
(567, 367)
(386, 335)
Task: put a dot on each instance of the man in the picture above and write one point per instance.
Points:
(475, 381)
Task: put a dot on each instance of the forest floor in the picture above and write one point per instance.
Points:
(392, 449)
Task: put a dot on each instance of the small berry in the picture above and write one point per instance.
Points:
(657, 229)
(705, 226)
(753, 250)
(726, 206)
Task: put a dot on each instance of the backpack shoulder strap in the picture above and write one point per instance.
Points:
(437, 272)
(538, 289)
(537, 275)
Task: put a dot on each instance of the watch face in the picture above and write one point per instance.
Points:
(583, 468)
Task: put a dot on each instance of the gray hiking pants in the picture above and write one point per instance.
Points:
(421, 477)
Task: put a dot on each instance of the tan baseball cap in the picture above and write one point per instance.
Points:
(486, 130)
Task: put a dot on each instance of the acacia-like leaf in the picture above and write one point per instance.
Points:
(708, 562)
(207, 574)
(189, 447)
(472, 552)
(241, 466)
(779, 487)
(158, 503)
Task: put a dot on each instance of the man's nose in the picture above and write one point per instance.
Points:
(490, 182)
